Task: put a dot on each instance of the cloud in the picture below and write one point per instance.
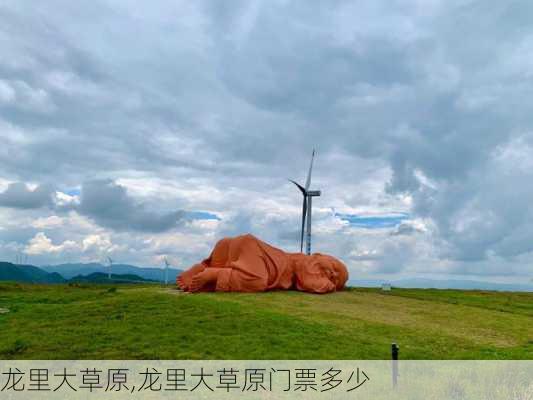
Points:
(110, 205)
(418, 107)
(41, 244)
(66, 201)
(409, 227)
(50, 222)
(19, 94)
(98, 244)
(18, 195)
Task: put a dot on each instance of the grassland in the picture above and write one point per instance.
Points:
(153, 322)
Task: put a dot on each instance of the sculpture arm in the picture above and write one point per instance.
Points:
(319, 286)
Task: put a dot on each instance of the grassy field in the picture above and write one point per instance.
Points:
(153, 322)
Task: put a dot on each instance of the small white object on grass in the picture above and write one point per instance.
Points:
(386, 287)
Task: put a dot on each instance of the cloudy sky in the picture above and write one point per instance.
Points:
(148, 129)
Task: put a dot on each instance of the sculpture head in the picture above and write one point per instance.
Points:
(334, 269)
(318, 264)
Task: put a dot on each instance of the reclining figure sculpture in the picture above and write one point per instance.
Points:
(247, 264)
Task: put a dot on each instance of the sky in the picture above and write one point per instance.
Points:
(144, 130)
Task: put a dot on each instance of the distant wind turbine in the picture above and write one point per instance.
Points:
(110, 265)
(21, 258)
(166, 270)
(307, 207)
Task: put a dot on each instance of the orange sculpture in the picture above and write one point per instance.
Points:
(247, 264)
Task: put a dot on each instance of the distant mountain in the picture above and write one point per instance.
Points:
(69, 271)
(86, 273)
(100, 277)
(27, 273)
(95, 272)
(421, 283)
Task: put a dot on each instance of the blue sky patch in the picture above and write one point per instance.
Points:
(203, 215)
(73, 192)
(373, 222)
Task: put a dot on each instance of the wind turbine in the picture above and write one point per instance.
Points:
(307, 207)
(110, 265)
(166, 270)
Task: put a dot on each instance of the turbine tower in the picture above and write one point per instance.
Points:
(166, 270)
(110, 265)
(307, 208)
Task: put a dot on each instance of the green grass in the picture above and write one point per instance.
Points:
(151, 322)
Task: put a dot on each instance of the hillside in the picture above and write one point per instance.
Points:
(83, 273)
(420, 283)
(152, 322)
(74, 269)
(100, 277)
(27, 273)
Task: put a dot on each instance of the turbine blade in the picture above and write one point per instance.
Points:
(304, 215)
(308, 181)
(299, 187)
